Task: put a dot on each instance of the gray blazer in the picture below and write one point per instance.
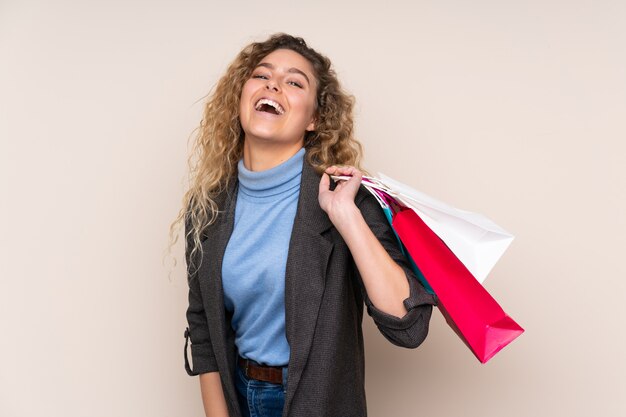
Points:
(324, 298)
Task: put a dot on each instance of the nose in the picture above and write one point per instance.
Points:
(271, 85)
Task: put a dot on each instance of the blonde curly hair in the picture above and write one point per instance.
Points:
(218, 144)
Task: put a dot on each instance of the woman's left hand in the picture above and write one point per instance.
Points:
(339, 203)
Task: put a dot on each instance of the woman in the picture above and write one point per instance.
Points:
(281, 258)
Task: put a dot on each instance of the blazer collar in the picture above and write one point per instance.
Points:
(308, 209)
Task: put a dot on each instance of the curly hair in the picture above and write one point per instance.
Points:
(218, 144)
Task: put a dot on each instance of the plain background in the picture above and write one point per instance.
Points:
(514, 109)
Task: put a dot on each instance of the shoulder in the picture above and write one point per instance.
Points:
(368, 204)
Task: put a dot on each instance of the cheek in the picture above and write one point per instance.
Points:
(309, 108)
(246, 92)
(305, 105)
(244, 101)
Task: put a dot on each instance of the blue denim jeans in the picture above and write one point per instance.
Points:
(260, 398)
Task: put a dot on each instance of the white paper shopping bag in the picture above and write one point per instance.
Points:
(476, 240)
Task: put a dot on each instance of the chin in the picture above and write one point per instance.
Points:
(262, 134)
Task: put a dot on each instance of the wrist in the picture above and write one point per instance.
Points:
(345, 215)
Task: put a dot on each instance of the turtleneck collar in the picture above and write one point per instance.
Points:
(273, 181)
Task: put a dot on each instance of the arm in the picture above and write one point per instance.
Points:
(213, 395)
(395, 299)
(198, 331)
(374, 263)
(204, 362)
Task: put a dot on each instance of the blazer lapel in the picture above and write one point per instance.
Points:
(305, 276)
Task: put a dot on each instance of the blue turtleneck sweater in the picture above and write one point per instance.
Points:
(253, 270)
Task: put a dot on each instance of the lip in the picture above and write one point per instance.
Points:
(269, 98)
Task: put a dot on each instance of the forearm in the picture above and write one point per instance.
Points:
(213, 395)
(385, 281)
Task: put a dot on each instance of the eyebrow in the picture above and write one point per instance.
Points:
(292, 70)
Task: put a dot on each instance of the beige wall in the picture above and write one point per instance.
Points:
(515, 109)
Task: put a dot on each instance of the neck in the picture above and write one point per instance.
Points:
(262, 156)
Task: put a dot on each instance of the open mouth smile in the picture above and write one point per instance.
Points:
(269, 106)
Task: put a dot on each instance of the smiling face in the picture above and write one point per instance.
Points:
(277, 104)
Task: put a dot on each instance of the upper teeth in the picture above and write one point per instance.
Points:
(269, 102)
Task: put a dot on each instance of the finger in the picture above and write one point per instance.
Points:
(331, 169)
(324, 183)
(354, 174)
(338, 171)
(354, 182)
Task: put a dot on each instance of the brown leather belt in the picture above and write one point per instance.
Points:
(260, 372)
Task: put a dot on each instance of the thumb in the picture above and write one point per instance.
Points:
(324, 183)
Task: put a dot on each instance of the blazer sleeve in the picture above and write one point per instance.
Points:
(198, 331)
(411, 330)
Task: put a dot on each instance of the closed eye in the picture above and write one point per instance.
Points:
(295, 83)
(261, 76)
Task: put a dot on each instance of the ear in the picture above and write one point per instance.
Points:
(311, 126)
